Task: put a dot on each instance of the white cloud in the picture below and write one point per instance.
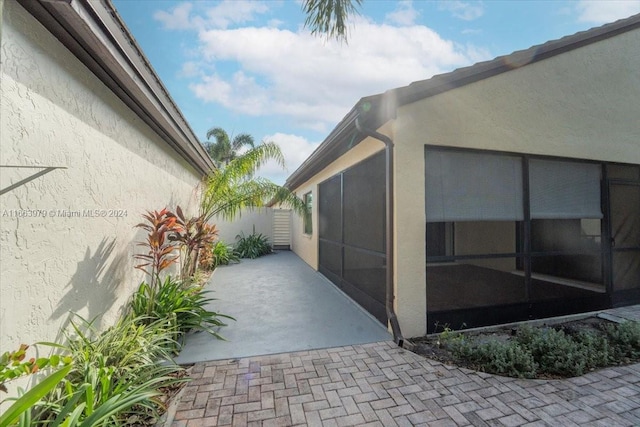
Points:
(404, 14)
(178, 19)
(284, 73)
(467, 11)
(190, 69)
(601, 12)
(223, 15)
(296, 149)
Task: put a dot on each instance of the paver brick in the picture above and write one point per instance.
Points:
(315, 405)
(380, 384)
(332, 412)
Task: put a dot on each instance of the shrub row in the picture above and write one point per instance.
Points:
(550, 352)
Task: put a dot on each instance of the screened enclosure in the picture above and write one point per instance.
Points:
(509, 237)
(351, 209)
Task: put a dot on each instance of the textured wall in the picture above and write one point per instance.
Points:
(54, 112)
(581, 104)
(261, 219)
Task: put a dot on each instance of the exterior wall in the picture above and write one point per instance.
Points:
(261, 219)
(409, 232)
(583, 104)
(306, 246)
(54, 112)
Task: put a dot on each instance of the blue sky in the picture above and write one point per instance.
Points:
(251, 66)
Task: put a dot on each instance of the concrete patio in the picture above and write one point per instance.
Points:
(280, 304)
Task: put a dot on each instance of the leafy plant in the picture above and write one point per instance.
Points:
(182, 308)
(509, 359)
(160, 254)
(229, 189)
(625, 339)
(193, 235)
(116, 375)
(12, 364)
(252, 246)
(557, 351)
(218, 253)
(19, 409)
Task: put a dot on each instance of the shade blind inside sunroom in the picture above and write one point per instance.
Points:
(564, 190)
(466, 186)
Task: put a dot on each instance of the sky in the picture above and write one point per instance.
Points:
(252, 67)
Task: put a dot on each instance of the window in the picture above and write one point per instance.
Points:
(307, 225)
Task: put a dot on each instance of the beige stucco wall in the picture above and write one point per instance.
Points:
(54, 112)
(306, 246)
(582, 104)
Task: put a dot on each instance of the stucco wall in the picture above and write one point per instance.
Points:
(261, 219)
(54, 112)
(306, 246)
(582, 104)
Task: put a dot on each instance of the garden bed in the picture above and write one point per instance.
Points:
(557, 350)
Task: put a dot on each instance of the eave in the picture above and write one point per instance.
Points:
(94, 32)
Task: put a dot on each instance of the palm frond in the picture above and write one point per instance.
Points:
(243, 139)
(220, 135)
(329, 17)
(229, 190)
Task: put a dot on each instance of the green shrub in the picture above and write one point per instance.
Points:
(625, 339)
(597, 350)
(252, 246)
(223, 254)
(502, 358)
(181, 307)
(510, 359)
(116, 376)
(557, 353)
(549, 351)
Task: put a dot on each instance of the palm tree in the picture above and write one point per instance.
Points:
(329, 17)
(229, 189)
(224, 149)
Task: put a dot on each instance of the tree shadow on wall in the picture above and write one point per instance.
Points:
(92, 288)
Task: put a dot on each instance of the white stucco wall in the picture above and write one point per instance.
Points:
(581, 104)
(260, 218)
(54, 112)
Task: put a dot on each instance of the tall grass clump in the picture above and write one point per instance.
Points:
(116, 376)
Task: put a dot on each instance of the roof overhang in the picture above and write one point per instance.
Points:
(94, 32)
(376, 110)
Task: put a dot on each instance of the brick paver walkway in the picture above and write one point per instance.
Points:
(380, 384)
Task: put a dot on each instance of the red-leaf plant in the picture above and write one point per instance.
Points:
(192, 234)
(160, 254)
